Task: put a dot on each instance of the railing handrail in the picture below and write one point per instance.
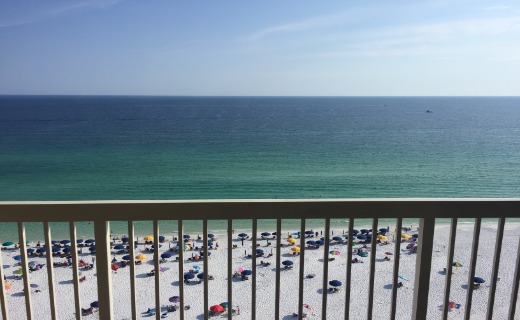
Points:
(113, 210)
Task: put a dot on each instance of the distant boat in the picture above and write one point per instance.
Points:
(429, 111)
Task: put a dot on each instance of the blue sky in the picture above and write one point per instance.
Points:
(290, 47)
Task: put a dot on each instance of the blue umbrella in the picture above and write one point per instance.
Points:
(274, 233)
(311, 242)
(210, 243)
(54, 241)
(478, 280)
(92, 249)
(287, 263)
(119, 247)
(127, 257)
(67, 249)
(161, 238)
(95, 304)
(186, 236)
(90, 241)
(40, 250)
(30, 250)
(361, 237)
(153, 246)
(383, 230)
(125, 239)
(65, 241)
(319, 243)
(369, 236)
(364, 231)
(79, 240)
(56, 249)
(415, 235)
(337, 238)
(243, 235)
(200, 276)
(17, 258)
(202, 253)
(355, 231)
(260, 252)
(309, 232)
(211, 235)
(265, 234)
(166, 255)
(247, 272)
(189, 276)
(335, 283)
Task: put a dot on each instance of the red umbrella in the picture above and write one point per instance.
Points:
(216, 308)
(115, 267)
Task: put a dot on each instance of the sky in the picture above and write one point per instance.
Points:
(260, 48)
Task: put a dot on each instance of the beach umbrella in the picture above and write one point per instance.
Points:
(17, 258)
(225, 305)
(383, 230)
(369, 237)
(366, 231)
(127, 257)
(79, 241)
(56, 249)
(211, 235)
(200, 276)
(30, 250)
(415, 235)
(247, 272)
(210, 243)
(148, 238)
(287, 263)
(265, 234)
(161, 238)
(166, 255)
(216, 308)
(54, 241)
(457, 264)
(7, 244)
(380, 236)
(335, 283)
(339, 239)
(202, 253)
(295, 249)
(309, 232)
(383, 238)
(92, 249)
(33, 285)
(388, 253)
(196, 268)
(153, 246)
(478, 280)
(405, 236)
(31, 263)
(311, 242)
(67, 249)
(292, 240)
(259, 252)
(174, 299)
(125, 239)
(40, 250)
(334, 253)
(186, 236)
(7, 285)
(140, 256)
(95, 304)
(65, 241)
(355, 231)
(119, 247)
(115, 266)
(319, 243)
(243, 235)
(90, 241)
(189, 276)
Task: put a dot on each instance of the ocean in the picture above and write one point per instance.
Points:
(145, 147)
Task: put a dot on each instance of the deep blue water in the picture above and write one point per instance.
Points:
(103, 147)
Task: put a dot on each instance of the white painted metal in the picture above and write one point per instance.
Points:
(423, 268)
(103, 268)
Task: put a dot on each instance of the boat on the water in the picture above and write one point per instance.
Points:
(429, 111)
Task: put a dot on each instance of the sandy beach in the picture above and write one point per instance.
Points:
(289, 279)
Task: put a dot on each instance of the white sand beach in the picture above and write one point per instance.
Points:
(265, 277)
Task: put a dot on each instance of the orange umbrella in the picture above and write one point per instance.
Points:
(295, 249)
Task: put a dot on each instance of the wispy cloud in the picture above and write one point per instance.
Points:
(20, 13)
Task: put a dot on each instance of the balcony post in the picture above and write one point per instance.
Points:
(103, 269)
(423, 268)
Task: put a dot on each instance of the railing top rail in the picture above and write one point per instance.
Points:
(40, 211)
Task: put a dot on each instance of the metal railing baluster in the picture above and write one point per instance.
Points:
(253, 276)
(157, 269)
(50, 269)
(371, 280)
(103, 269)
(75, 272)
(205, 264)
(180, 244)
(423, 268)
(302, 269)
(496, 264)
(3, 301)
(516, 281)
(325, 270)
(25, 269)
(278, 262)
(349, 267)
(473, 264)
(395, 272)
(449, 268)
(230, 267)
(131, 252)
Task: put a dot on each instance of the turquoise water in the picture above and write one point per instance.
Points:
(86, 148)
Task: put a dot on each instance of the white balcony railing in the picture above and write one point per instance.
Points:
(102, 212)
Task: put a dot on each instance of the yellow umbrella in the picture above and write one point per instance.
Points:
(148, 238)
(381, 237)
(140, 256)
(292, 240)
(295, 249)
(405, 236)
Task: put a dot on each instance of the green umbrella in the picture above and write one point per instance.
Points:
(224, 305)
(8, 243)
